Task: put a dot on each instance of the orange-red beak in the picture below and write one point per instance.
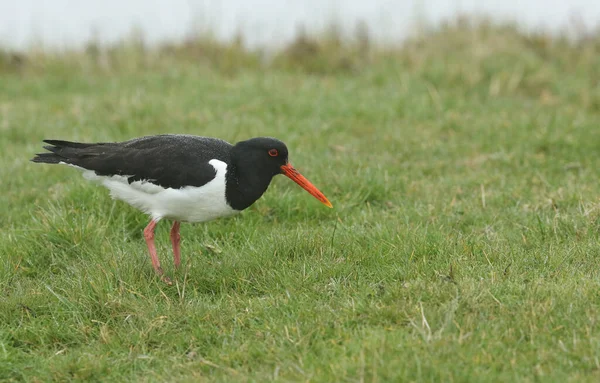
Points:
(298, 178)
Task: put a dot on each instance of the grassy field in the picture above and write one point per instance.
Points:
(463, 244)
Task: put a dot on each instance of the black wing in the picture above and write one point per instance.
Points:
(171, 161)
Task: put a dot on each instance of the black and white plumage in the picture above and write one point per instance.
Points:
(180, 177)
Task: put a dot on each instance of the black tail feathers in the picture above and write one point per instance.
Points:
(47, 158)
(68, 144)
(59, 151)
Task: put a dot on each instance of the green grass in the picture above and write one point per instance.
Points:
(463, 244)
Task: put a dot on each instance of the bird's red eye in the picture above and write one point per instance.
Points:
(273, 153)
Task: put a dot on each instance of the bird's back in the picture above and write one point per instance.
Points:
(169, 160)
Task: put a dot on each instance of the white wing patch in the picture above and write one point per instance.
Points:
(190, 204)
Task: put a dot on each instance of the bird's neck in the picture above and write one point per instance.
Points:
(244, 186)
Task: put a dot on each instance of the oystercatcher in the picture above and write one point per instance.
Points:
(183, 178)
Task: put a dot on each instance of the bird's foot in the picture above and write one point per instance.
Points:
(166, 280)
(163, 277)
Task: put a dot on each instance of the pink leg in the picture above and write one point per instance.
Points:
(149, 236)
(175, 238)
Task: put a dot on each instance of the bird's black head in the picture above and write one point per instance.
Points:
(254, 164)
(264, 155)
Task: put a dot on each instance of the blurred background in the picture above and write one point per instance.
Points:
(265, 23)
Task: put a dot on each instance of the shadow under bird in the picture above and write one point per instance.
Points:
(183, 178)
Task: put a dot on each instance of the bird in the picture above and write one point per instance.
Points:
(180, 177)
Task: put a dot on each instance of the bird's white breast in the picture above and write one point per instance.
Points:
(190, 204)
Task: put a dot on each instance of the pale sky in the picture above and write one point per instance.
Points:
(68, 23)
